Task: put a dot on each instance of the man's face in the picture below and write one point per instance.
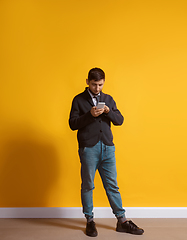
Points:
(95, 86)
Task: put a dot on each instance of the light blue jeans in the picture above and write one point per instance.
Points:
(101, 157)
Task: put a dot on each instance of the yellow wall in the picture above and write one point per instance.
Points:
(47, 48)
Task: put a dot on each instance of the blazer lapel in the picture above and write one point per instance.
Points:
(101, 97)
(88, 97)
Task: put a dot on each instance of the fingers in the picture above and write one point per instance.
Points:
(96, 112)
(106, 109)
(100, 111)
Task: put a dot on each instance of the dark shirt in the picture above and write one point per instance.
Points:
(93, 129)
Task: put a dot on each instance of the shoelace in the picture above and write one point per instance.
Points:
(132, 225)
(92, 223)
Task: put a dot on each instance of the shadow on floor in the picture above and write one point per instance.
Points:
(69, 223)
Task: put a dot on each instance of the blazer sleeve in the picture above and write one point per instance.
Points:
(76, 120)
(114, 115)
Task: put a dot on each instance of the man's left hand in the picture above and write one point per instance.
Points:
(106, 109)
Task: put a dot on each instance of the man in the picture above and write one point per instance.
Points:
(97, 150)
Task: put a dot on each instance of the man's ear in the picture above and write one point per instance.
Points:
(87, 82)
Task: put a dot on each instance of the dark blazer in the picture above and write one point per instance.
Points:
(92, 129)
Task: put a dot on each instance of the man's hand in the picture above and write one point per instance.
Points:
(96, 111)
(106, 109)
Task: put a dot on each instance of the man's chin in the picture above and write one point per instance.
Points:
(94, 93)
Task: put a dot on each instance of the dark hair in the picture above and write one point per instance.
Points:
(96, 74)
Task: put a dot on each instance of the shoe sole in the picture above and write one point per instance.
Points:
(134, 233)
(93, 235)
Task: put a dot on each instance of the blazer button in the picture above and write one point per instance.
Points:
(100, 121)
(100, 130)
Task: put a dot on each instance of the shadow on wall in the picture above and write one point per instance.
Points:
(28, 169)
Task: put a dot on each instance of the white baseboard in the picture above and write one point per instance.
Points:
(99, 212)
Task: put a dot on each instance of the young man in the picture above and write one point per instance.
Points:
(97, 150)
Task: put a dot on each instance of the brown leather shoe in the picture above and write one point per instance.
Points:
(91, 229)
(129, 227)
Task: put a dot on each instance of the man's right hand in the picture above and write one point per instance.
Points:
(96, 112)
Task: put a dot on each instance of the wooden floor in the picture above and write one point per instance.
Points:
(70, 229)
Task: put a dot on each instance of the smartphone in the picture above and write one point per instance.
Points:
(100, 105)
